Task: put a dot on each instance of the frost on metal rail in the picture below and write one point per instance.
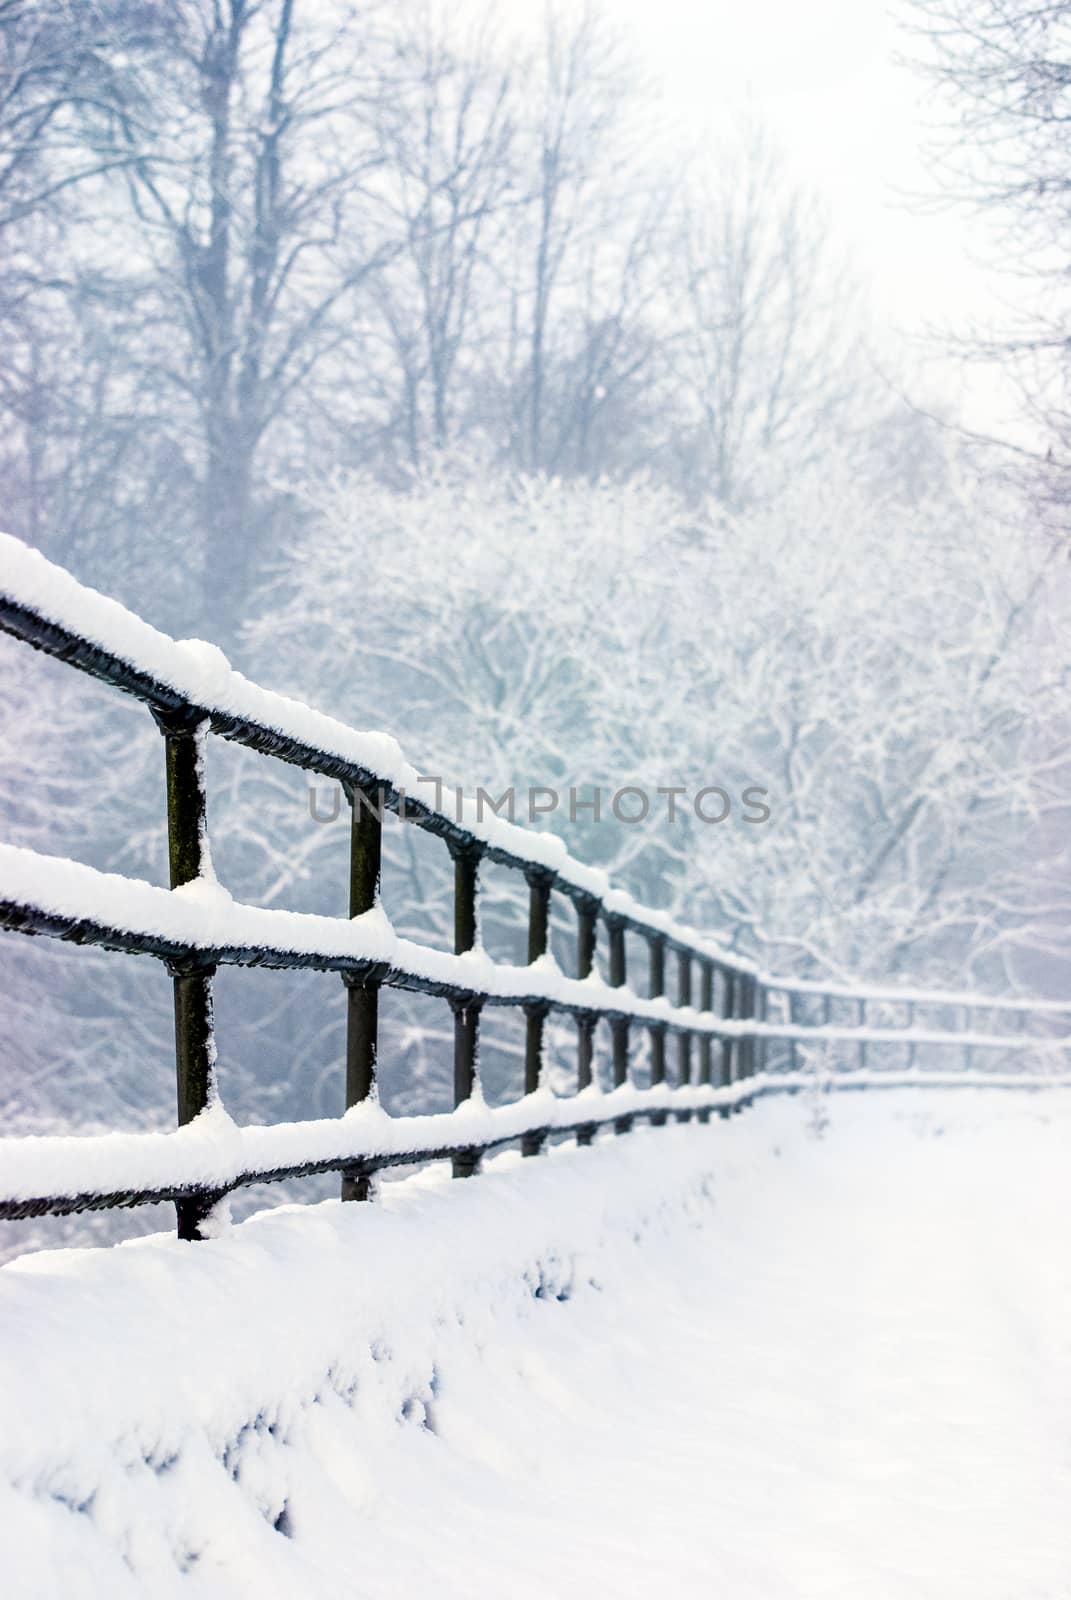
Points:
(194, 927)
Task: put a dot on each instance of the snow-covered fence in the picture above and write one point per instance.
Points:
(721, 1018)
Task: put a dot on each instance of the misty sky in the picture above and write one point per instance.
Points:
(823, 76)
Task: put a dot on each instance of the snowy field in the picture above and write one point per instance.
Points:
(820, 1350)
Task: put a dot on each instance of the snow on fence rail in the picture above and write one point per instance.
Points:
(195, 926)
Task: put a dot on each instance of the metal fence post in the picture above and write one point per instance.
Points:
(706, 1005)
(539, 887)
(684, 1038)
(619, 1026)
(656, 1033)
(793, 1045)
(743, 1012)
(729, 1043)
(184, 734)
(467, 855)
(587, 911)
(362, 989)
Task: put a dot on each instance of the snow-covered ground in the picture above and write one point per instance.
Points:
(822, 1349)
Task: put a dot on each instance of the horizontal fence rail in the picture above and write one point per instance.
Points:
(722, 1016)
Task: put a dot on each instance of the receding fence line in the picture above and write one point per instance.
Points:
(45, 607)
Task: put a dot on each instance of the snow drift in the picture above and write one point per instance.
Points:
(819, 1349)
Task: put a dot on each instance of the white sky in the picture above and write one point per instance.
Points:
(822, 75)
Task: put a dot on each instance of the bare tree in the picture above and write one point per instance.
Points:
(888, 666)
(54, 68)
(296, 237)
(605, 401)
(765, 359)
(448, 174)
(245, 196)
(584, 193)
(43, 59)
(1003, 72)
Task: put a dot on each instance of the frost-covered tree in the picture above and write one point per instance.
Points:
(894, 667)
(513, 632)
(765, 361)
(887, 669)
(1001, 75)
(251, 242)
(446, 177)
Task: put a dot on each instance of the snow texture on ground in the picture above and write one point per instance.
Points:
(822, 1349)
